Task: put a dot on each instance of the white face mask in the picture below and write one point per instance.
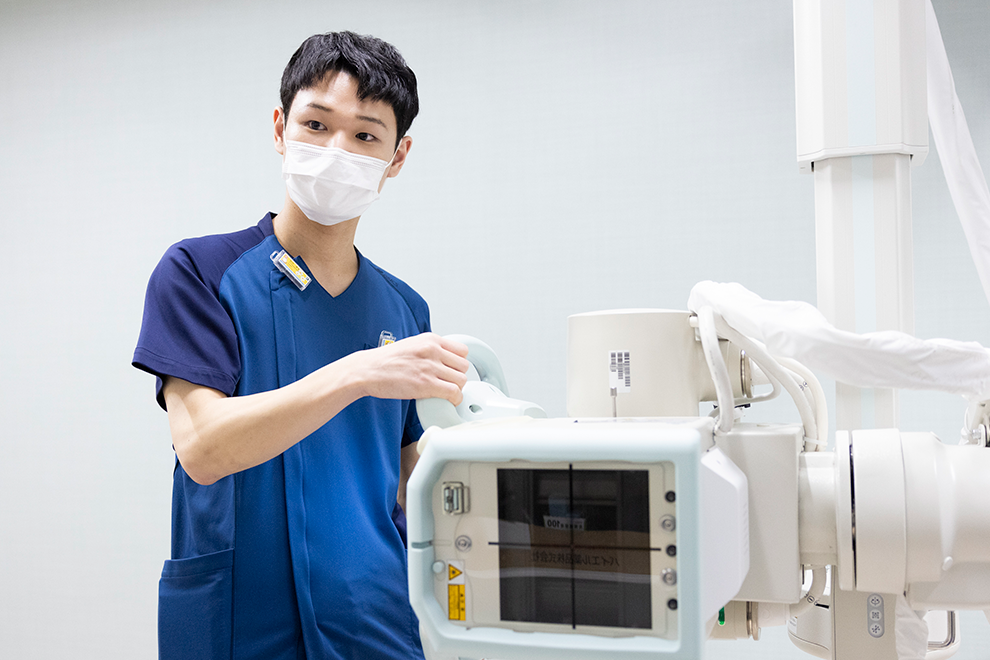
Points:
(329, 184)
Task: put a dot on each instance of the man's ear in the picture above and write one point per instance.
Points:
(279, 119)
(401, 153)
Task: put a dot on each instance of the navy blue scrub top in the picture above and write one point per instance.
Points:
(302, 556)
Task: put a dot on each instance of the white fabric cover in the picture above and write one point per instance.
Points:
(878, 359)
(963, 174)
(910, 632)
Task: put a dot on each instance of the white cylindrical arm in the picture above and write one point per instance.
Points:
(921, 521)
(816, 510)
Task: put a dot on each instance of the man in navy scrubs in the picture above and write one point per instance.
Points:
(288, 364)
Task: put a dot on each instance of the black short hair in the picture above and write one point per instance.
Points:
(380, 71)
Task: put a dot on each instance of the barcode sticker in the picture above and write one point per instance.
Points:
(619, 375)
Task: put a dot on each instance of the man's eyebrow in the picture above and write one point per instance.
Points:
(373, 120)
(369, 118)
(314, 104)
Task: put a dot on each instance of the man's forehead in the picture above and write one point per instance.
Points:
(337, 92)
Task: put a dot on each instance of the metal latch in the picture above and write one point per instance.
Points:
(455, 498)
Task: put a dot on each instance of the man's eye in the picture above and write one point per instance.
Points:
(314, 125)
(366, 137)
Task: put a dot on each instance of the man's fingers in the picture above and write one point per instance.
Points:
(454, 376)
(437, 366)
(455, 347)
(451, 353)
(456, 396)
(441, 389)
(456, 363)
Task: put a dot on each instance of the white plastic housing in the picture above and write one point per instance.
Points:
(921, 523)
(948, 524)
(768, 454)
(724, 530)
(860, 79)
(711, 528)
(816, 499)
(668, 373)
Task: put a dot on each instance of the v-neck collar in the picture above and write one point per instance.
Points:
(267, 227)
(354, 282)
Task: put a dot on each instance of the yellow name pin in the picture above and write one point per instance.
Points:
(291, 269)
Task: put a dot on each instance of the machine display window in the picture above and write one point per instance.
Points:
(574, 547)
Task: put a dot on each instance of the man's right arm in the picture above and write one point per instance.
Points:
(215, 435)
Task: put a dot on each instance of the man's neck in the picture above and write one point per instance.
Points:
(328, 251)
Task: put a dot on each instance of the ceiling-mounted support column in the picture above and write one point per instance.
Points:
(862, 121)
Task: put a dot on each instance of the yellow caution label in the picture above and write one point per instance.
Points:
(456, 603)
(453, 572)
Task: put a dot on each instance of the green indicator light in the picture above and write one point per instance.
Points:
(721, 617)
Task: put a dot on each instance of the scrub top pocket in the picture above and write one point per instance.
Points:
(194, 608)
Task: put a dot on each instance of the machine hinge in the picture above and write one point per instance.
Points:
(455, 498)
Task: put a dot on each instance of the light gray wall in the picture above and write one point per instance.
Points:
(570, 156)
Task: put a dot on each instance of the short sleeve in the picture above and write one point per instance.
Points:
(185, 331)
(413, 429)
